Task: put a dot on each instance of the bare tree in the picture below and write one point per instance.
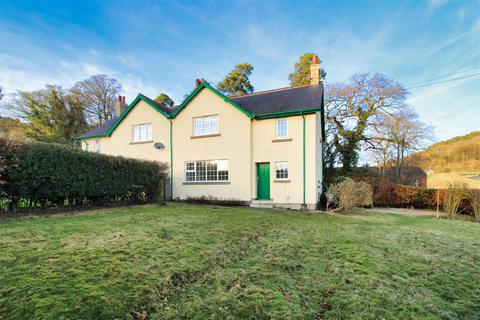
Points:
(396, 137)
(407, 134)
(355, 108)
(99, 93)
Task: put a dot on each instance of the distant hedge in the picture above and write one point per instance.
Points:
(39, 175)
(386, 194)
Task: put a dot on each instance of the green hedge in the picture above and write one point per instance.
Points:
(50, 175)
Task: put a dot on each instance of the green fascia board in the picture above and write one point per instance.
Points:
(287, 113)
(130, 107)
(204, 84)
(92, 137)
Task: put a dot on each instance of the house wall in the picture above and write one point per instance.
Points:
(119, 143)
(266, 149)
(232, 144)
(242, 141)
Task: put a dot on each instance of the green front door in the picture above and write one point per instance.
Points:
(263, 181)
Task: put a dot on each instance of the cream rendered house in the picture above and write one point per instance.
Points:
(264, 149)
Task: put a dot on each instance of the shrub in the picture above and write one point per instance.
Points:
(348, 194)
(454, 194)
(50, 175)
(475, 203)
(396, 195)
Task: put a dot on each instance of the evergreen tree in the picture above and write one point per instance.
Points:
(164, 100)
(301, 74)
(52, 114)
(237, 82)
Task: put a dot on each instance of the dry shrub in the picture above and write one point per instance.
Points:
(454, 194)
(475, 203)
(348, 194)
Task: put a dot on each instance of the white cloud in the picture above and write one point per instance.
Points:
(434, 5)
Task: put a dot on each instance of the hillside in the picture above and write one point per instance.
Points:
(459, 154)
(457, 159)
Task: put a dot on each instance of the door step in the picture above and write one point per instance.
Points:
(265, 204)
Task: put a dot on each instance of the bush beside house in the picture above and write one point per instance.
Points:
(39, 175)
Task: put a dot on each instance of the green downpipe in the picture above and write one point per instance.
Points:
(304, 164)
(171, 160)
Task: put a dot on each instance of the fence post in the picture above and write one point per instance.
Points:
(438, 203)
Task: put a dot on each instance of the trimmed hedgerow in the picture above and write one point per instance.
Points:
(36, 175)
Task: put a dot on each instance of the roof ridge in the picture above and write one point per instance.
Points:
(268, 91)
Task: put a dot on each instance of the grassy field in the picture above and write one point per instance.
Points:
(440, 180)
(197, 262)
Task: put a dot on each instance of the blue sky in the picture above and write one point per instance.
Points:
(162, 46)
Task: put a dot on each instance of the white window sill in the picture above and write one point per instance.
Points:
(206, 136)
(281, 181)
(205, 182)
(140, 142)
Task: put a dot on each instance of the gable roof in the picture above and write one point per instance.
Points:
(99, 131)
(259, 105)
(107, 128)
(284, 101)
(205, 84)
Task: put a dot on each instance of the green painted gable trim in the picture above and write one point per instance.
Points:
(130, 107)
(92, 137)
(204, 84)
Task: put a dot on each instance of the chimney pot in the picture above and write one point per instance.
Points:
(315, 71)
(120, 106)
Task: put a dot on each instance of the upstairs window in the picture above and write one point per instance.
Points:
(203, 126)
(142, 132)
(282, 128)
(281, 170)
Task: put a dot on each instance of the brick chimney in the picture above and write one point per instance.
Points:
(315, 71)
(120, 106)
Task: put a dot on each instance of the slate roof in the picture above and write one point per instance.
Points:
(281, 100)
(100, 130)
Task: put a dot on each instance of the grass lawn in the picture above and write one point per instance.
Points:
(195, 262)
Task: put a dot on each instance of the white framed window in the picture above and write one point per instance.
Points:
(205, 125)
(281, 170)
(282, 128)
(210, 170)
(98, 145)
(142, 132)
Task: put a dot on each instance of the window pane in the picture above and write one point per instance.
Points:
(282, 170)
(211, 170)
(136, 133)
(201, 171)
(222, 166)
(149, 131)
(282, 128)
